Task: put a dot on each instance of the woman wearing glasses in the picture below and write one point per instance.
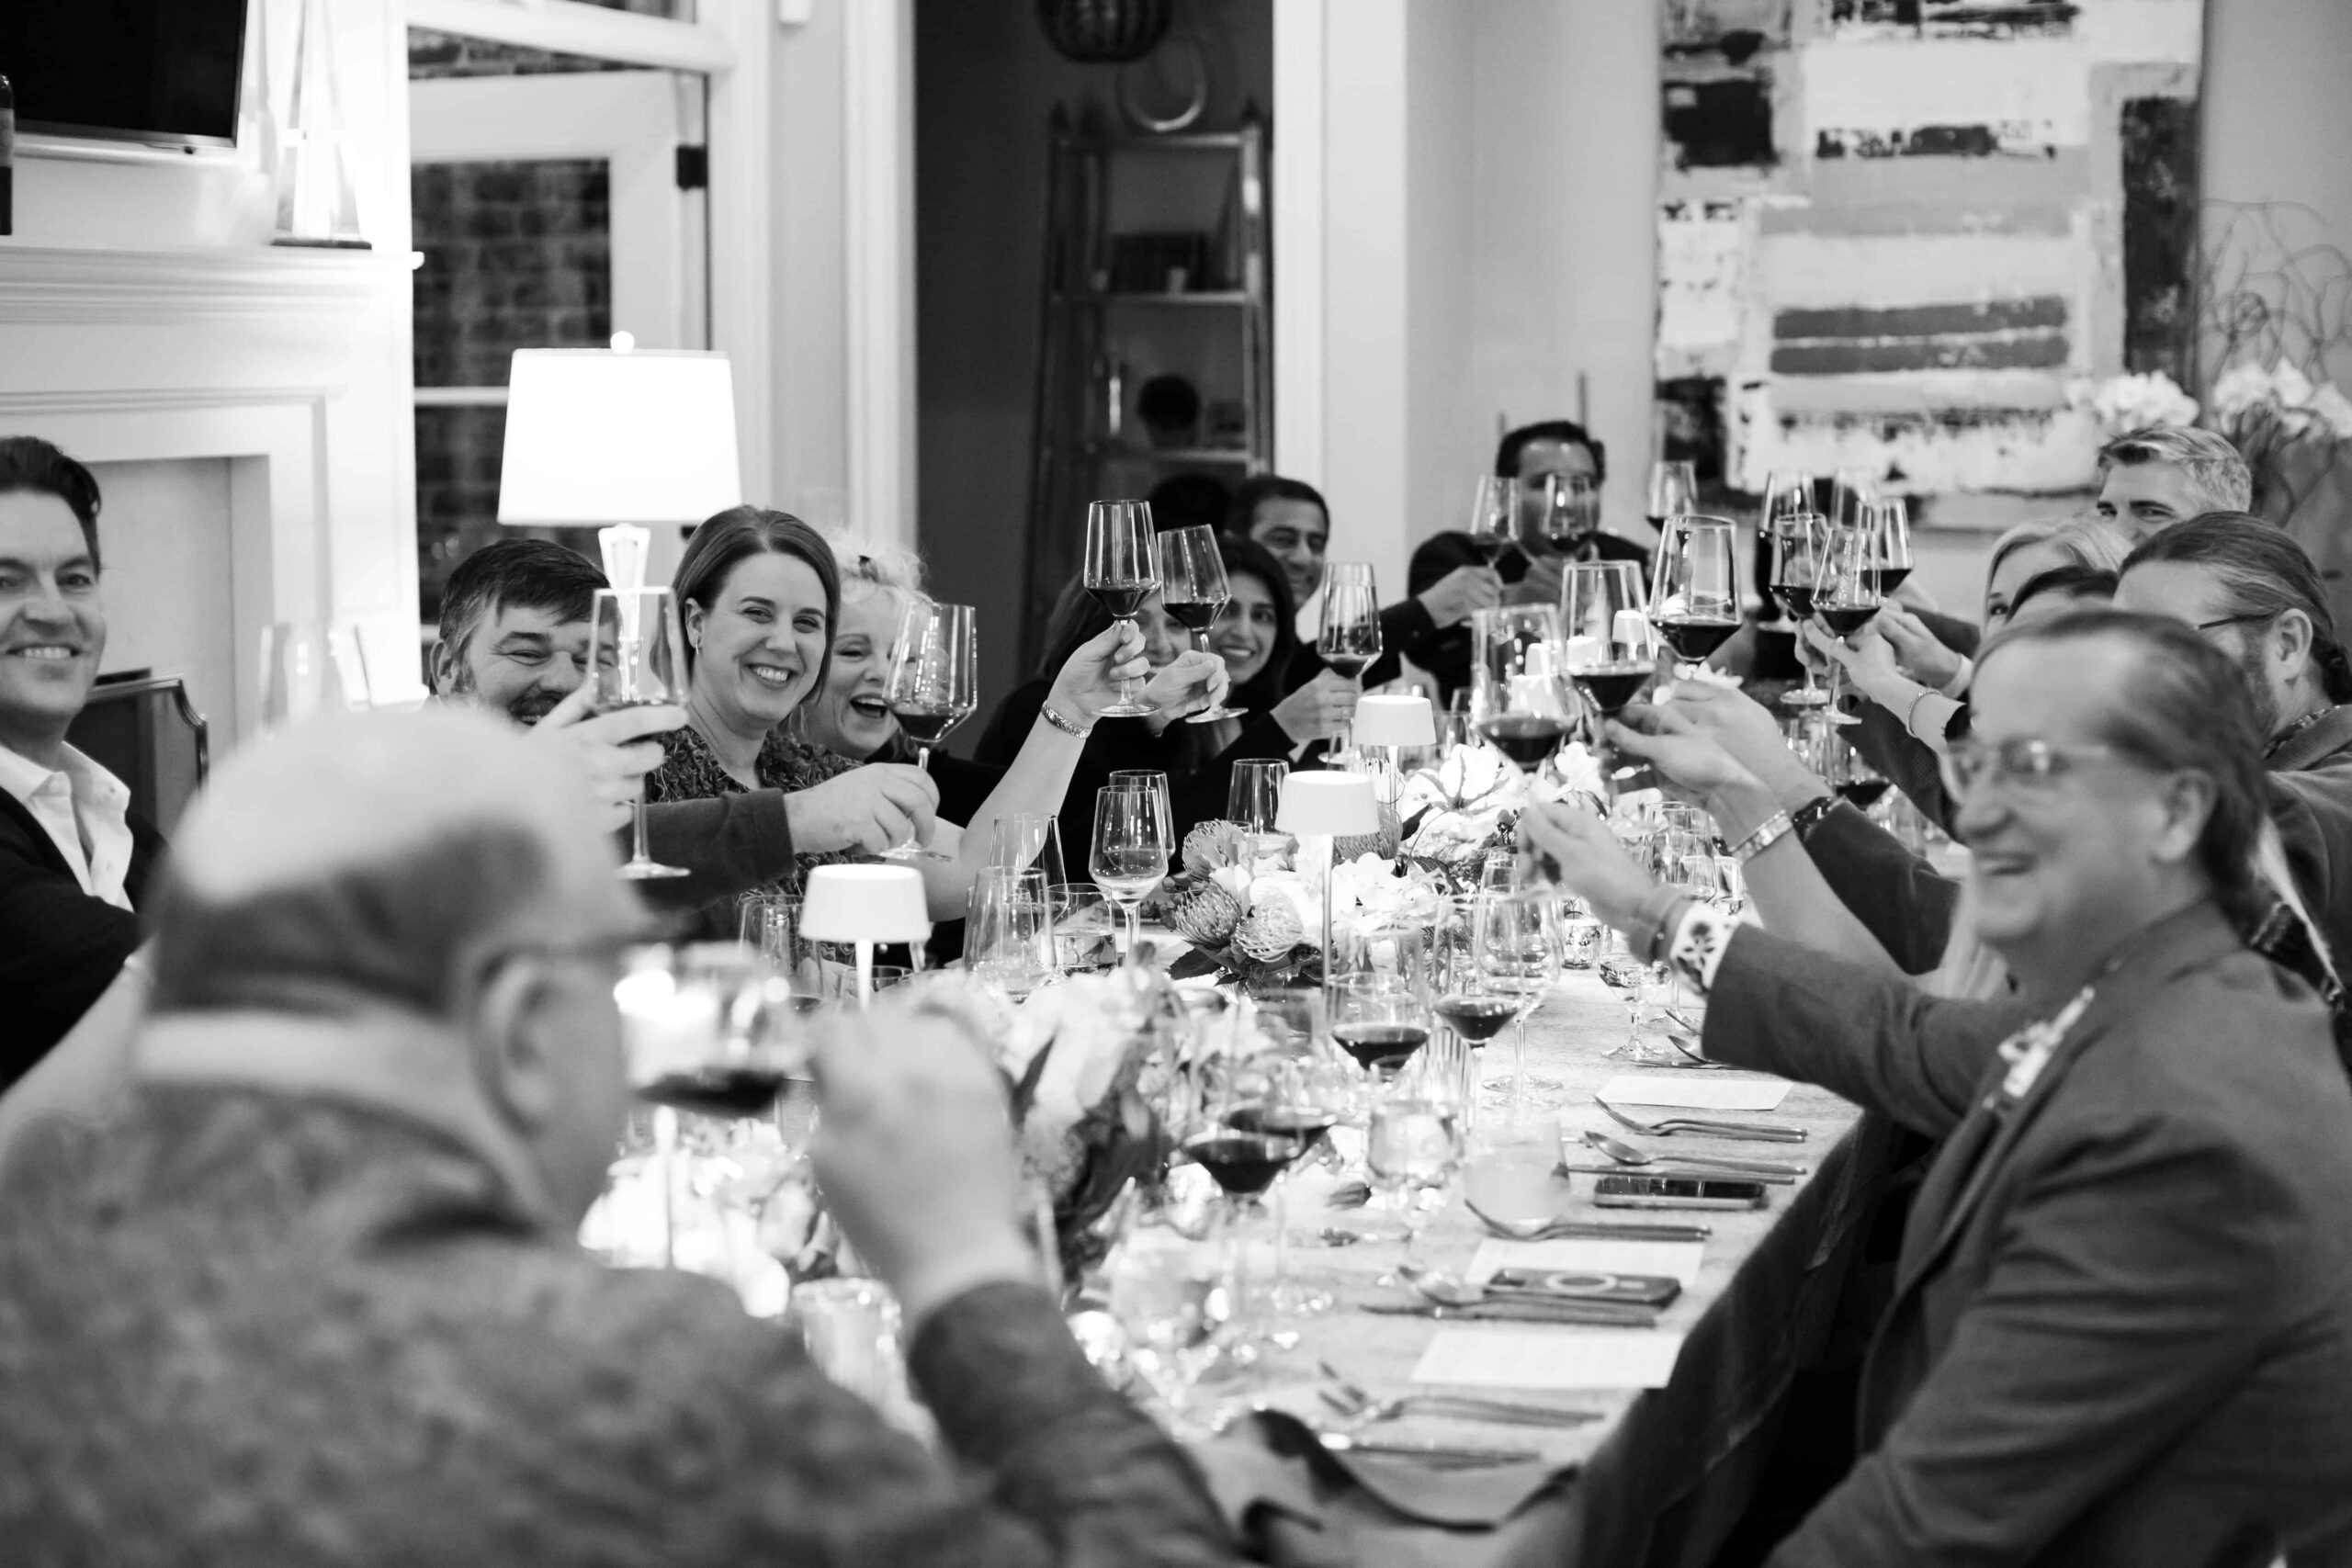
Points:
(2121, 1328)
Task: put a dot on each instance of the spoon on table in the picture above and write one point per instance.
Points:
(1450, 1290)
(1559, 1228)
(1626, 1153)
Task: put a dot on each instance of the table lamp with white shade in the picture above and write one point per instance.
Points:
(864, 905)
(1319, 809)
(632, 438)
(1394, 723)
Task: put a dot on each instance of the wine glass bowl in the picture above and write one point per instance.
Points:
(1379, 1019)
(1611, 652)
(1673, 491)
(934, 686)
(1521, 699)
(1799, 543)
(1493, 516)
(1129, 858)
(1694, 601)
(1571, 509)
(1122, 571)
(1847, 596)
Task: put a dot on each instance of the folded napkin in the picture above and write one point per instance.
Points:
(1293, 1502)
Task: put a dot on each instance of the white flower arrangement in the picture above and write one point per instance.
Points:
(2127, 402)
(2304, 409)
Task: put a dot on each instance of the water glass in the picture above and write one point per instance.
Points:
(850, 1327)
(1008, 938)
(1253, 799)
(1511, 1171)
(1085, 935)
(310, 668)
(1412, 1149)
(1167, 1293)
(1028, 841)
(1580, 935)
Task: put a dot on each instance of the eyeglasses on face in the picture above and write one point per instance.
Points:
(2032, 766)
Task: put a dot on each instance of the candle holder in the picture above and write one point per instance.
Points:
(864, 905)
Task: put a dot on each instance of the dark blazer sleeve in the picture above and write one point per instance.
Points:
(1961, 636)
(726, 844)
(2136, 1281)
(1905, 903)
(1870, 1037)
(964, 786)
(1909, 762)
(1009, 726)
(59, 948)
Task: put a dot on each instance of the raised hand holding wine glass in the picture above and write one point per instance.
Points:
(1612, 651)
(1132, 841)
(1347, 636)
(1695, 604)
(1122, 571)
(1848, 594)
(1890, 521)
(1193, 593)
(1800, 551)
(637, 657)
(933, 685)
(1493, 516)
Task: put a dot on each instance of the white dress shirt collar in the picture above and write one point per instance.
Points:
(84, 809)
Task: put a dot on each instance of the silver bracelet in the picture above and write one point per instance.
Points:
(1066, 725)
(1769, 832)
(1911, 714)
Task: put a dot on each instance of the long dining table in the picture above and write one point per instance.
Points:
(1743, 1317)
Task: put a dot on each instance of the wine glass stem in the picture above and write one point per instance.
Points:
(1135, 928)
(637, 826)
(1518, 1063)
(1130, 689)
(923, 758)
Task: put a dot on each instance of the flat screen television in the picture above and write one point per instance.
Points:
(164, 72)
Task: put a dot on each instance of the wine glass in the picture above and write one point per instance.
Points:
(1130, 854)
(1694, 602)
(1799, 547)
(1519, 695)
(1412, 1149)
(1611, 652)
(1154, 780)
(1028, 841)
(1493, 516)
(1254, 797)
(1381, 1019)
(1162, 1283)
(1890, 520)
(1571, 510)
(1122, 571)
(934, 685)
(637, 658)
(1347, 637)
(1192, 591)
(310, 668)
(1848, 493)
(1621, 969)
(1673, 491)
(1516, 946)
(1846, 595)
(1009, 932)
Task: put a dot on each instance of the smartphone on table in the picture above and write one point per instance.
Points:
(1677, 1192)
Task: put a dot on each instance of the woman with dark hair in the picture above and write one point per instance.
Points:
(2126, 1269)
(760, 593)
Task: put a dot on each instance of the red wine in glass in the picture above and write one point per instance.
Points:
(1349, 665)
(1863, 793)
(1492, 549)
(1121, 599)
(1475, 1018)
(1889, 578)
(1380, 1044)
(1244, 1164)
(1844, 620)
(1796, 599)
(727, 1090)
(1612, 686)
(1693, 638)
(1193, 615)
(925, 723)
(1306, 1126)
(1525, 738)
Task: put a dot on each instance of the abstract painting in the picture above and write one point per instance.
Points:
(1892, 233)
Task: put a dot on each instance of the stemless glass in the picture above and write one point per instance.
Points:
(1890, 521)
(638, 659)
(1162, 1287)
(1673, 491)
(1509, 1172)
(1009, 933)
(1799, 547)
(1085, 940)
(1571, 510)
(1493, 516)
(1517, 948)
(1122, 571)
(1847, 595)
(934, 685)
(1412, 1149)
(1130, 852)
(1519, 695)
(1193, 592)
(1611, 652)
(1254, 797)
(1694, 602)
(308, 667)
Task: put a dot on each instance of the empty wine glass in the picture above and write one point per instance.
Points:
(1571, 510)
(1162, 1287)
(637, 658)
(1673, 491)
(1493, 516)
(1253, 797)
(934, 685)
(1130, 854)
(1516, 948)
(1519, 695)
(1193, 592)
(1412, 1149)
(1122, 571)
(1624, 971)
(1009, 935)
(1694, 602)
(1154, 780)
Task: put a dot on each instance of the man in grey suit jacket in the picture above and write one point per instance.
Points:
(2121, 1330)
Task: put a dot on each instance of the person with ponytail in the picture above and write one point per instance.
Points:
(2126, 1269)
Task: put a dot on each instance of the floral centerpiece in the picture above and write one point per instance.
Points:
(1469, 803)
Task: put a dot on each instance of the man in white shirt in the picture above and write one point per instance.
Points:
(73, 857)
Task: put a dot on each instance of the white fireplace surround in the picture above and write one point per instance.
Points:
(286, 364)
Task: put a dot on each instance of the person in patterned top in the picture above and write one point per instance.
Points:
(759, 594)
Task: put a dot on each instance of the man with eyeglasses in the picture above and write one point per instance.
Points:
(315, 1296)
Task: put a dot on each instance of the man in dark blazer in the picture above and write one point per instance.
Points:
(2122, 1326)
(75, 859)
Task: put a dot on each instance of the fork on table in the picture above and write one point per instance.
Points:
(1666, 1126)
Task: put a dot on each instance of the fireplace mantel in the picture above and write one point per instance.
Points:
(60, 283)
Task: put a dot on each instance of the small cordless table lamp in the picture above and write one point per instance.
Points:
(1320, 807)
(1392, 724)
(865, 905)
